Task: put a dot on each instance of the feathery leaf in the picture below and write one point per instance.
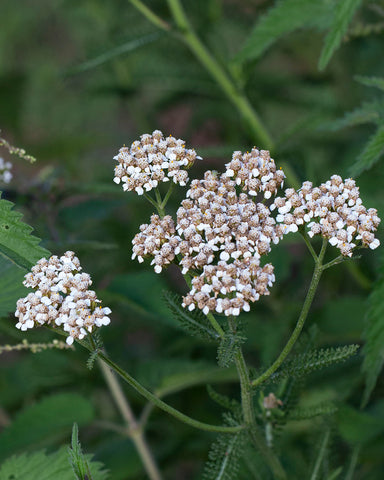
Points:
(305, 413)
(371, 154)
(377, 82)
(228, 348)
(223, 400)
(343, 15)
(285, 17)
(195, 322)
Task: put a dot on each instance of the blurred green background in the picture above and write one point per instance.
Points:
(80, 79)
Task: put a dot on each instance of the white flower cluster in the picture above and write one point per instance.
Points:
(158, 240)
(62, 298)
(5, 174)
(334, 210)
(256, 172)
(151, 160)
(229, 288)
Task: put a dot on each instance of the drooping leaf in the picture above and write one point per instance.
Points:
(285, 17)
(377, 82)
(195, 322)
(43, 466)
(16, 242)
(49, 420)
(11, 285)
(371, 154)
(373, 349)
(224, 456)
(342, 17)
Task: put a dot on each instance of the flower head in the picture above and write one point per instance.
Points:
(5, 173)
(151, 160)
(61, 298)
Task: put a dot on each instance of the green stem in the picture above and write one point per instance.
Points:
(162, 405)
(135, 430)
(215, 324)
(320, 457)
(150, 15)
(249, 413)
(301, 321)
(305, 236)
(167, 195)
(219, 74)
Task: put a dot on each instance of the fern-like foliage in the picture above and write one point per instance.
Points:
(228, 348)
(225, 454)
(98, 347)
(376, 82)
(16, 242)
(373, 151)
(195, 322)
(224, 401)
(306, 363)
(342, 17)
(285, 17)
(305, 413)
(373, 349)
(77, 459)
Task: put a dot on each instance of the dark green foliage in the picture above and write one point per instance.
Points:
(225, 454)
(80, 463)
(372, 153)
(43, 466)
(195, 322)
(306, 363)
(342, 16)
(373, 349)
(98, 346)
(305, 413)
(223, 400)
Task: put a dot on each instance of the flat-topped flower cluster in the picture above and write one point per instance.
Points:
(62, 298)
(334, 210)
(151, 160)
(222, 231)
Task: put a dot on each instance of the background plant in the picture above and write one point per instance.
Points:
(62, 110)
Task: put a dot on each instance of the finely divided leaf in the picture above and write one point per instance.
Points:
(228, 348)
(373, 350)
(285, 17)
(343, 15)
(49, 420)
(371, 81)
(371, 154)
(194, 322)
(224, 456)
(77, 459)
(41, 466)
(304, 413)
(314, 360)
(367, 113)
(16, 242)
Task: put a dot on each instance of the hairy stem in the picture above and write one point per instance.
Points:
(219, 74)
(134, 429)
(302, 318)
(249, 413)
(162, 405)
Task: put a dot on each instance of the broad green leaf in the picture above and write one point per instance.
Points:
(285, 17)
(16, 241)
(377, 82)
(112, 53)
(371, 154)
(373, 349)
(41, 466)
(49, 420)
(343, 15)
(11, 285)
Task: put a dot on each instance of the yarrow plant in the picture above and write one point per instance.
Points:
(222, 232)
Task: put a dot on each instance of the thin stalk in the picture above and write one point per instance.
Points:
(320, 456)
(301, 321)
(134, 430)
(167, 195)
(249, 414)
(353, 463)
(150, 15)
(162, 405)
(304, 234)
(219, 74)
(215, 324)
